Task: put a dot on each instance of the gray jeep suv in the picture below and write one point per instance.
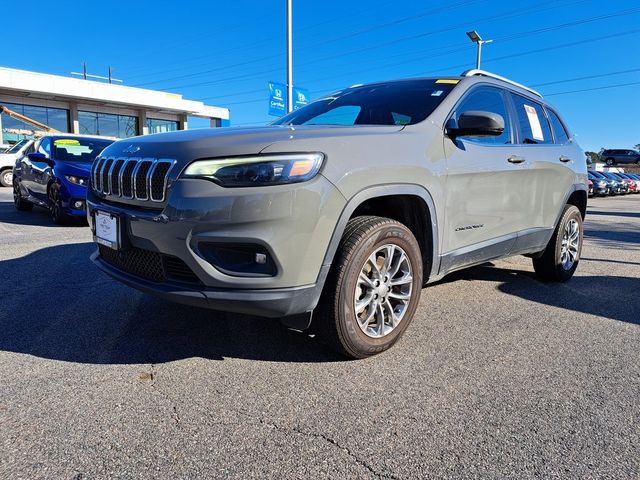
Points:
(346, 208)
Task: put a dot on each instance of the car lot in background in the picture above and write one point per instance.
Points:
(56, 175)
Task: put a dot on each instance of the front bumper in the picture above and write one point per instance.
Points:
(294, 223)
(270, 303)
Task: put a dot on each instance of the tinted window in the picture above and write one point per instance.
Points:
(78, 149)
(559, 132)
(17, 146)
(531, 120)
(121, 126)
(392, 103)
(45, 147)
(487, 99)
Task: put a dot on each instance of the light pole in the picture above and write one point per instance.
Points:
(477, 39)
(289, 57)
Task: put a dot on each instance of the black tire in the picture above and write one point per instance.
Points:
(6, 177)
(336, 321)
(55, 206)
(21, 204)
(549, 266)
(610, 162)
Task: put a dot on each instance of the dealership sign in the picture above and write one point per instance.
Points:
(278, 98)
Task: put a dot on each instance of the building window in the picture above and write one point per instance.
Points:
(107, 124)
(155, 125)
(14, 130)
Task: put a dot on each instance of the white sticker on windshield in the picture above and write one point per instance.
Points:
(437, 93)
(534, 123)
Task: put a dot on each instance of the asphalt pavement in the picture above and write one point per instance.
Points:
(499, 376)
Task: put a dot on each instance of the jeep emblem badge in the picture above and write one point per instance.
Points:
(131, 149)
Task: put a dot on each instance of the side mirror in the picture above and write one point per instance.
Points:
(40, 157)
(476, 124)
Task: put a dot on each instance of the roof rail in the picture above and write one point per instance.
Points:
(483, 73)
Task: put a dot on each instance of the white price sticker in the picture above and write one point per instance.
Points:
(534, 123)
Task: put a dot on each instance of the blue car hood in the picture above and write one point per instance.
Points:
(80, 169)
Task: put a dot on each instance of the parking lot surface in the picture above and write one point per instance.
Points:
(499, 376)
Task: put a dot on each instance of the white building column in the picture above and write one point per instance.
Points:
(143, 129)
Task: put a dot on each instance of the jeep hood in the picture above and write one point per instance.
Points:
(187, 145)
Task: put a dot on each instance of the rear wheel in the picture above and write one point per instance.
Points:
(20, 204)
(374, 287)
(560, 258)
(55, 206)
(609, 161)
(6, 177)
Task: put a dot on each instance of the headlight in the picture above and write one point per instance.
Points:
(77, 180)
(602, 184)
(257, 170)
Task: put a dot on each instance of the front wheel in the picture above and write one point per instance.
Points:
(609, 162)
(55, 206)
(6, 177)
(560, 258)
(20, 204)
(373, 289)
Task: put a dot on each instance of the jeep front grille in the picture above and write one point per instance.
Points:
(132, 178)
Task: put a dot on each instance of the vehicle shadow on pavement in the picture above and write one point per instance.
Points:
(57, 305)
(613, 214)
(591, 294)
(39, 217)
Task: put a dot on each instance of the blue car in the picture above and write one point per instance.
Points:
(56, 174)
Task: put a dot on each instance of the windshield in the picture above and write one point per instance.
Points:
(78, 149)
(17, 146)
(393, 103)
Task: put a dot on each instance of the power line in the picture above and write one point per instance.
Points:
(593, 89)
(504, 57)
(432, 11)
(510, 14)
(250, 46)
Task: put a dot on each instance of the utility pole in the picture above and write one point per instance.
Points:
(289, 57)
(477, 39)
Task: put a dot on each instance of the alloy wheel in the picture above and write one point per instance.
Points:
(383, 291)
(55, 208)
(7, 177)
(570, 244)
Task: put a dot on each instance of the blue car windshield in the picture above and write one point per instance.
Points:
(392, 103)
(83, 150)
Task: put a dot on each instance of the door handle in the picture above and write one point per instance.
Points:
(564, 159)
(515, 159)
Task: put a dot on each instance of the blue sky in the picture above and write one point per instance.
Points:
(226, 52)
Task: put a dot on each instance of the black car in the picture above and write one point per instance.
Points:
(601, 186)
(613, 184)
(624, 183)
(618, 157)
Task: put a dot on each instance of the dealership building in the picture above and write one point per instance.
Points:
(75, 105)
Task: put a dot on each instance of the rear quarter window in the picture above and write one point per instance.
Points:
(559, 131)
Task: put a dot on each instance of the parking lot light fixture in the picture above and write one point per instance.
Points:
(477, 39)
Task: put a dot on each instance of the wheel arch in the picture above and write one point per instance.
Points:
(409, 204)
(578, 197)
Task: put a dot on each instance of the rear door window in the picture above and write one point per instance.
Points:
(531, 120)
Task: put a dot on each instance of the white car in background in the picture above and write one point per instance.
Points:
(8, 160)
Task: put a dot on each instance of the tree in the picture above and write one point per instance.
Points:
(593, 156)
(637, 146)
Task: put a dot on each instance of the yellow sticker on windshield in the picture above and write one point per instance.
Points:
(449, 81)
(66, 141)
